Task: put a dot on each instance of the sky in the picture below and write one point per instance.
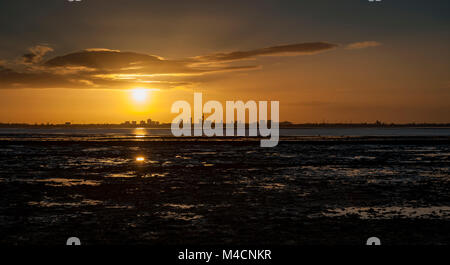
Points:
(325, 61)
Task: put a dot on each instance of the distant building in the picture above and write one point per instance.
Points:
(68, 123)
(151, 122)
(142, 123)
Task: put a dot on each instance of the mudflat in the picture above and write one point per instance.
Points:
(336, 191)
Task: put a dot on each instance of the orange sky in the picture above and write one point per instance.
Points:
(373, 70)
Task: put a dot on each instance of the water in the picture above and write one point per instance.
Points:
(140, 133)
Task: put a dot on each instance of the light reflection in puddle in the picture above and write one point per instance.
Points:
(441, 212)
(203, 153)
(154, 175)
(181, 216)
(110, 161)
(181, 206)
(96, 149)
(183, 157)
(60, 182)
(47, 203)
(119, 207)
(274, 186)
(435, 154)
(167, 163)
(129, 174)
(89, 162)
(364, 157)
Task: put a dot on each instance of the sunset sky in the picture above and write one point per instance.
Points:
(99, 61)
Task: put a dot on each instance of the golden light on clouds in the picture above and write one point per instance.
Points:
(136, 86)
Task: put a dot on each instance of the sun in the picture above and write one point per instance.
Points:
(139, 95)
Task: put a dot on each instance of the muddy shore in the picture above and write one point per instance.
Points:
(337, 191)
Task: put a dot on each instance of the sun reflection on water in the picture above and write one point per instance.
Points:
(140, 132)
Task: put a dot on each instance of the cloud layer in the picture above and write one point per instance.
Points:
(293, 49)
(362, 45)
(35, 54)
(114, 69)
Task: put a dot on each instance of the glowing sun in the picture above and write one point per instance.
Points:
(139, 95)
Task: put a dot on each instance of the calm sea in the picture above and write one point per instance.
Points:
(13, 133)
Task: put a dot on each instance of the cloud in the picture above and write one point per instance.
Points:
(101, 49)
(292, 49)
(35, 54)
(114, 69)
(362, 45)
(103, 59)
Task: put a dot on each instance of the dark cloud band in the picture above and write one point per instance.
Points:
(294, 49)
(104, 68)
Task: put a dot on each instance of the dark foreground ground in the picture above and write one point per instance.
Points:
(218, 192)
